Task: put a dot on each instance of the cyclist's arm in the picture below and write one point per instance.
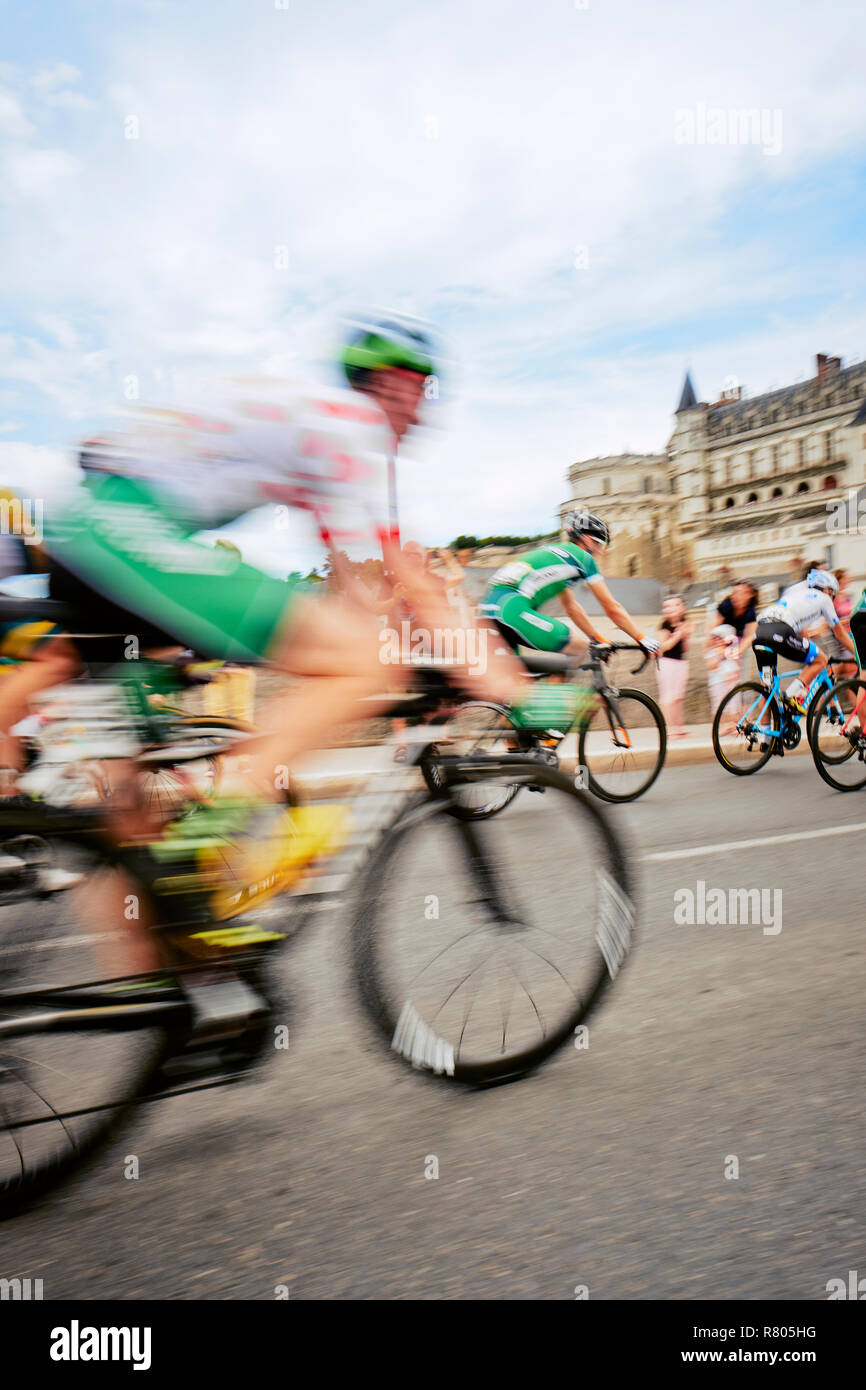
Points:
(579, 616)
(615, 611)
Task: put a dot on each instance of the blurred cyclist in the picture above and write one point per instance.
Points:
(786, 627)
(124, 553)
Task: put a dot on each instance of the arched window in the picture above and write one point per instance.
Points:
(730, 502)
(803, 487)
(777, 492)
(752, 497)
(830, 482)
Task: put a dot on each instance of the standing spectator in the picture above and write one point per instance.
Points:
(674, 634)
(723, 665)
(843, 604)
(739, 611)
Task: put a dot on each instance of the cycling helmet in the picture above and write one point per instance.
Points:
(823, 579)
(393, 341)
(583, 523)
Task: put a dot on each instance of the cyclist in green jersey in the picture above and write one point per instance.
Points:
(522, 587)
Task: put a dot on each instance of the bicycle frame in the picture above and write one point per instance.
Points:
(854, 713)
(774, 691)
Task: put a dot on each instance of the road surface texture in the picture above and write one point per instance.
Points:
(720, 1050)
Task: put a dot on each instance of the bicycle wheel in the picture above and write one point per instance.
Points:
(623, 762)
(480, 726)
(838, 741)
(63, 1094)
(737, 741)
(484, 978)
(188, 769)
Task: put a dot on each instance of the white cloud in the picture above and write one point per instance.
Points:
(58, 75)
(71, 101)
(13, 123)
(40, 470)
(552, 127)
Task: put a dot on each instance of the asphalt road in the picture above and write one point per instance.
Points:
(720, 1048)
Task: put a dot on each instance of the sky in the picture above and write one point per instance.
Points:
(207, 186)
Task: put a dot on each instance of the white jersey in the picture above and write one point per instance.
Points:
(801, 606)
(323, 451)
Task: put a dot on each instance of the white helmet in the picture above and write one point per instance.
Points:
(823, 579)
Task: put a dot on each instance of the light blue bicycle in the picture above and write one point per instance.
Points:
(755, 720)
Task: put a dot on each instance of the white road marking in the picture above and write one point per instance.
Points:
(696, 850)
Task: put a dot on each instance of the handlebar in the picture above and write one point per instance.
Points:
(611, 647)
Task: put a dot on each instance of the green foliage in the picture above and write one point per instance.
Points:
(477, 542)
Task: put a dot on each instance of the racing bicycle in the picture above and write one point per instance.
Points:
(621, 733)
(472, 959)
(755, 721)
(837, 737)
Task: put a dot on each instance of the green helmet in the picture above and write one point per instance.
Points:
(389, 342)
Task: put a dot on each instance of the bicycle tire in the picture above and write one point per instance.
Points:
(763, 758)
(619, 798)
(822, 764)
(386, 1010)
(164, 789)
(465, 809)
(57, 1167)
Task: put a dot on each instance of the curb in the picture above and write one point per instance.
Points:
(342, 784)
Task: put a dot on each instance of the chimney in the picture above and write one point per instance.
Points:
(826, 366)
(731, 393)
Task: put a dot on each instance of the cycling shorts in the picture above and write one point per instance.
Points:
(775, 638)
(521, 625)
(129, 568)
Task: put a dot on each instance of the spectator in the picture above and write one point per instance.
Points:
(843, 603)
(738, 611)
(674, 634)
(723, 664)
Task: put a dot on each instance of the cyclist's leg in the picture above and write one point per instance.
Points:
(523, 626)
(816, 660)
(333, 648)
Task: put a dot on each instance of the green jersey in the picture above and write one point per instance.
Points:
(540, 575)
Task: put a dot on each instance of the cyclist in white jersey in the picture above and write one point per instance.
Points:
(785, 628)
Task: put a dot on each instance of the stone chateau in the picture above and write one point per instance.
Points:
(746, 486)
